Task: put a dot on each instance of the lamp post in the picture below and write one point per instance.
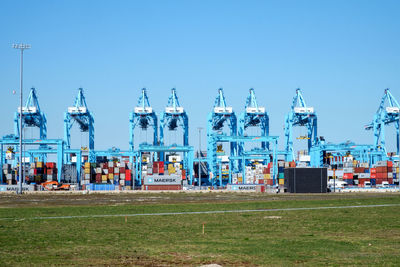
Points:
(21, 47)
(199, 156)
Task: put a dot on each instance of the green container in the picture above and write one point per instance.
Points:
(281, 175)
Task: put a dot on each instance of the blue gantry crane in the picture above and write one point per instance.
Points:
(32, 116)
(385, 115)
(80, 114)
(253, 116)
(362, 152)
(300, 115)
(144, 117)
(174, 116)
(220, 115)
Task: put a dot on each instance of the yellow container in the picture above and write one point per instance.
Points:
(87, 165)
(104, 177)
(281, 181)
(111, 176)
(39, 164)
(87, 170)
(267, 176)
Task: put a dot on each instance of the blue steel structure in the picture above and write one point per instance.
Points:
(32, 116)
(220, 115)
(44, 149)
(385, 115)
(260, 154)
(253, 116)
(363, 153)
(174, 116)
(144, 117)
(188, 157)
(300, 115)
(80, 114)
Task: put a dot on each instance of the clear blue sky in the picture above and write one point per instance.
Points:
(343, 54)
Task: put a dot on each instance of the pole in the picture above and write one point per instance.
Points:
(199, 157)
(20, 125)
(21, 47)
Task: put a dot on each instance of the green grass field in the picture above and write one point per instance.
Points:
(357, 236)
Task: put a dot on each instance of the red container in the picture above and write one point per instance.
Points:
(390, 180)
(161, 164)
(361, 181)
(162, 187)
(373, 175)
(347, 176)
(183, 174)
(161, 170)
(260, 181)
(128, 176)
(49, 171)
(50, 165)
(292, 164)
(379, 181)
(35, 172)
(266, 171)
(389, 169)
(384, 175)
(110, 170)
(269, 182)
(390, 164)
(373, 170)
(359, 170)
(155, 168)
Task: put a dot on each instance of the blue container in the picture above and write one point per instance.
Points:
(100, 187)
(128, 183)
(394, 175)
(281, 169)
(372, 181)
(348, 181)
(366, 170)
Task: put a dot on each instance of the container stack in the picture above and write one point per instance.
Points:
(358, 174)
(267, 173)
(8, 174)
(38, 172)
(156, 177)
(116, 173)
(51, 171)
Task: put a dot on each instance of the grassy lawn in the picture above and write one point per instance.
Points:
(361, 236)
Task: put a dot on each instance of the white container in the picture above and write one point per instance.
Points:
(392, 110)
(255, 110)
(348, 170)
(172, 110)
(27, 109)
(223, 110)
(77, 110)
(143, 110)
(364, 175)
(303, 110)
(305, 158)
